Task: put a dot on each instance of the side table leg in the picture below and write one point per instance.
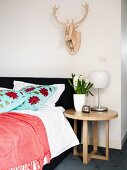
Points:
(85, 141)
(95, 135)
(75, 130)
(107, 138)
(106, 157)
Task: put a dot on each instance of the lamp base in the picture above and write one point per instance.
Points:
(99, 109)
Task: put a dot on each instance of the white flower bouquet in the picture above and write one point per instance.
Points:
(80, 85)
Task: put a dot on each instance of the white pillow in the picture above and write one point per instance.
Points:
(18, 85)
(4, 88)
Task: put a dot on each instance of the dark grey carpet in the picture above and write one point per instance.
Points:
(117, 161)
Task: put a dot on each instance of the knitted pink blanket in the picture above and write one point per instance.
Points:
(23, 142)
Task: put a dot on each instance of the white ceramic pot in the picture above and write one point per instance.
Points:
(79, 101)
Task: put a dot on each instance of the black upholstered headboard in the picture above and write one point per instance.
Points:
(66, 99)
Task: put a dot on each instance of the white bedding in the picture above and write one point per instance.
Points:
(59, 132)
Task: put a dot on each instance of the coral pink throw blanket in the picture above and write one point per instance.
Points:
(23, 142)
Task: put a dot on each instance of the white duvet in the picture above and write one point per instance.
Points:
(59, 132)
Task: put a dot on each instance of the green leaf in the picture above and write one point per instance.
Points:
(36, 92)
(50, 89)
(7, 103)
(69, 80)
(1, 106)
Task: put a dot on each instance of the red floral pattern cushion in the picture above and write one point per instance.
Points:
(37, 96)
(10, 99)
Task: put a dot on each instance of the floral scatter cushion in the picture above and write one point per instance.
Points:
(10, 99)
(37, 96)
(18, 85)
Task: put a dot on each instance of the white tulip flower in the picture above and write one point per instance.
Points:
(80, 78)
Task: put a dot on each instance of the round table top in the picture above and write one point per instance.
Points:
(92, 116)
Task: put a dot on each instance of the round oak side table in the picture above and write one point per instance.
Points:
(95, 117)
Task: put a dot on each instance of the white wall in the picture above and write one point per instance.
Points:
(32, 44)
(124, 71)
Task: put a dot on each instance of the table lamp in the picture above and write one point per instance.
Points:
(100, 80)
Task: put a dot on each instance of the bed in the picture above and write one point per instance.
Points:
(65, 101)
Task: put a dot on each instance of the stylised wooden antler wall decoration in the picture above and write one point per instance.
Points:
(72, 37)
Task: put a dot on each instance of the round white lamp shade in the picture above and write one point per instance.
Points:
(100, 78)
